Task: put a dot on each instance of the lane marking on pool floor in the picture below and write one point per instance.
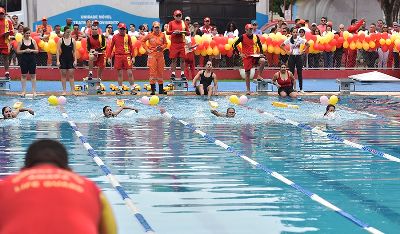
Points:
(113, 180)
(275, 174)
(369, 114)
(328, 135)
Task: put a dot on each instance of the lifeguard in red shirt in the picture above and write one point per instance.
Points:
(6, 30)
(178, 29)
(123, 57)
(252, 53)
(96, 46)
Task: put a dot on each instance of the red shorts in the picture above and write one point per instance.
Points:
(122, 62)
(100, 61)
(177, 51)
(189, 57)
(249, 62)
(5, 51)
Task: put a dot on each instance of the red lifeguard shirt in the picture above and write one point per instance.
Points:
(5, 25)
(248, 44)
(123, 45)
(46, 199)
(180, 26)
(284, 83)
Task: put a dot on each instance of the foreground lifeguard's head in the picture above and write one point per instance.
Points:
(46, 152)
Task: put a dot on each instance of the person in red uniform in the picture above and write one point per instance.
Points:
(351, 55)
(189, 59)
(96, 46)
(47, 197)
(6, 30)
(249, 43)
(124, 58)
(155, 62)
(285, 82)
(178, 29)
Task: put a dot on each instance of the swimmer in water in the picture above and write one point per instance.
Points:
(8, 113)
(230, 113)
(108, 113)
(330, 111)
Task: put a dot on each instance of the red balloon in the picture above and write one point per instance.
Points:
(269, 41)
(308, 36)
(385, 48)
(213, 44)
(336, 36)
(221, 47)
(368, 39)
(333, 42)
(84, 42)
(206, 44)
(314, 38)
(230, 53)
(385, 35)
(328, 48)
(362, 37)
(37, 39)
(340, 40)
(138, 44)
(34, 34)
(193, 41)
(200, 47)
(355, 37)
(15, 45)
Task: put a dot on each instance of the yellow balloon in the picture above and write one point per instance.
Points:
(365, 45)
(234, 99)
(333, 100)
(359, 45)
(120, 103)
(133, 39)
(18, 105)
(209, 51)
(53, 100)
(142, 50)
(228, 46)
(388, 41)
(345, 44)
(154, 100)
(352, 45)
(215, 51)
(78, 45)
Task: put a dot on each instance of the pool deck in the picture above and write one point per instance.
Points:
(223, 93)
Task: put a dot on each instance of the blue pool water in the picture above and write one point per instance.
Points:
(181, 182)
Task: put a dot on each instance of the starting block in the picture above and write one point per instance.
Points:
(4, 84)
(180, 86)
(264, 86)
(345, 86)
(92, 85)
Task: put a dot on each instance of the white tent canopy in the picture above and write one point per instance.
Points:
(374, 76)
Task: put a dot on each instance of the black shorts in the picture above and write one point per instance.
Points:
(205, 90)
(27, 66)
(287, 90)
(66, 64)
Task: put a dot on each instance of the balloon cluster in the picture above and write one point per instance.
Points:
(153, 100)
(54, 101)
(324, 100)
(238, 101)
(374, 40)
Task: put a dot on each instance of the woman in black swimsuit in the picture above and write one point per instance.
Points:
(27, 50)
(206, 77)
(66, 59)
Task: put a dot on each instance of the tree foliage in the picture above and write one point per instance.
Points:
(277, 5)
(390, 9)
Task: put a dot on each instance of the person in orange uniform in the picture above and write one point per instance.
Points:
(6, 30)
(249, 42)
(178, 29)
(96, 46)
(155, 61)
(47, 197)
(124, 58)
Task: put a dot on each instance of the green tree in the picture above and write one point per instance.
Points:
(390, 9)
(277, 5)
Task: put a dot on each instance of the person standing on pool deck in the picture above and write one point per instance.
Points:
(27, 49)
(155, 62)
(124, 57)
(251, 45)
(6, 30)
(178, 29)
(47, 197)
(66, 60)
(96, 46)
(295, 54)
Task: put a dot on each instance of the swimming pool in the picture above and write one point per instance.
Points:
(181, 182)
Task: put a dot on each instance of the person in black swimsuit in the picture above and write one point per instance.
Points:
(206, 77)
(66, 59)
(27, 50)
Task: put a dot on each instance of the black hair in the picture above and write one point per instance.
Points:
(66, 28)
(296, 20)
(132, 25)
(46, 151)
(273, 30)
(291, 38)
(75, 25)
(327, 108)
(26, 29)
(230, 108)
(228, 28)
(104, 109)
(302, 30)
(324, 17)
(4, 110)
(353, 21)
(141, 27)
(57, 25)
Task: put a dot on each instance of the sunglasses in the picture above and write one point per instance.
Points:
(178, 15)
(187, 19)
(122, 28)
(323, 20)
(206, 21)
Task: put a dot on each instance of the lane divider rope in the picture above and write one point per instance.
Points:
(113, 180)
(275, 174)
(329, 135)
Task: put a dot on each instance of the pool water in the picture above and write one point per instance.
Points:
(182, 183)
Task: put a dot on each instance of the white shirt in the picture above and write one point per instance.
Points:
(230, 34)
(295, 48)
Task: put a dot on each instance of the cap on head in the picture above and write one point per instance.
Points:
(248, 26)
(121, 25)
(187, 18)
(301, 21)
(177, 12)
(44, 19)
(254, 22)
